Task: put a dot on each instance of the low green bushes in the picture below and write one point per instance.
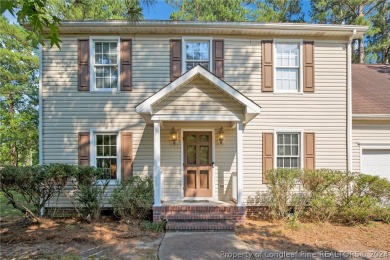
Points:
(133, 199)
(328, 195)
(36, 185)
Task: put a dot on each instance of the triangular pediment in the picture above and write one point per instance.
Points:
(198, 95)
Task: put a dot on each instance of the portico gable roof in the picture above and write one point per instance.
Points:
(145, 109)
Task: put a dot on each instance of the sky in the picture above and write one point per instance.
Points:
(162, 10)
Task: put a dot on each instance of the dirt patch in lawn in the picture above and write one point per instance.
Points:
(54, 238)
(314, 237)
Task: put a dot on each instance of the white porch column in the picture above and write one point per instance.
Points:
(239, 164)
(156, 168)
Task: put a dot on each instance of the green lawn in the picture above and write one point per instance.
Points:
(6, 210)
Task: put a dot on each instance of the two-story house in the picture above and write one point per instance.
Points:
(206, 108)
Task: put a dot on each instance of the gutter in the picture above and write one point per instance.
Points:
(371, 116)
(349, 102)
(215, 25)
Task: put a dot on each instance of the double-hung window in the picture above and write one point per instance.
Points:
(106, 155)
(288, 150)
(197, 52)
(105, 60)
(287, 73)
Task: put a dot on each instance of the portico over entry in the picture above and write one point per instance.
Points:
(200, 165)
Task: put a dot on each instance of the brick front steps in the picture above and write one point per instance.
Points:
(199, 217)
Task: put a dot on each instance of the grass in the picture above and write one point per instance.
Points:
(6, 210)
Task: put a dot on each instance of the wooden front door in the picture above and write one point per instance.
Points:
(198, 166)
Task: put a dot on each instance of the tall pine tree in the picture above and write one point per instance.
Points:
(18, 96)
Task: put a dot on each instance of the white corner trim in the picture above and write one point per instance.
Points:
(92, 81)
(40, 108)
(146, 105)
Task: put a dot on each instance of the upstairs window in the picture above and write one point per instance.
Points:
(105, 60)
(197, 53)
(287, 67)
(288, 150)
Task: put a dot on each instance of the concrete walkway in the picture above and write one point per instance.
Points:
(226, 245)
(202, 246)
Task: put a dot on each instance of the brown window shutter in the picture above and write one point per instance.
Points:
(84, 146)
(83, 65)
(175, 59)
(268, 153)
(309, 151)
(218, 58)
(308, 65)
(126, 155)
(267, 68)
(125, 75)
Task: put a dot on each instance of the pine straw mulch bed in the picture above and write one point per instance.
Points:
(315, 237)
(72, 238)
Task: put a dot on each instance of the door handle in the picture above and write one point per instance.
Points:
(212, 164)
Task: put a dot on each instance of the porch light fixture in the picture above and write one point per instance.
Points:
(221, 136)
(173, 136)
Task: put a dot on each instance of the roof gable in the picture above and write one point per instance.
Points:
(249, 108)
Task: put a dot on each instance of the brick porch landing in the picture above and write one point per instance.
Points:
(199, 216)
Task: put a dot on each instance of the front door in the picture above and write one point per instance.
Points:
(197, 164)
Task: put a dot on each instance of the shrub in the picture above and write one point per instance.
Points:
(359, 210)
(372, 186)
(90, 192)
(152, 226)
(35, 184)
(133, 199)
(323, 207)
(280, 183)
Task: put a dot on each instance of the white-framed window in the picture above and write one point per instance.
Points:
(106, 153)
(288, 66)
(105, 63)
(288, 150)
(196, 51)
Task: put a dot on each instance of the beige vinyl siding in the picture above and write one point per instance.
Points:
(322, 112)
(67, 111)
(198, 97)
(368, 132)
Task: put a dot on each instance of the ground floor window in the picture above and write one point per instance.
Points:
(106, 155)
(288, 150)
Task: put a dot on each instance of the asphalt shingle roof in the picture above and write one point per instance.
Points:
(370, 89)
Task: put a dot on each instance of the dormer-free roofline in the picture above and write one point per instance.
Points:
(229, 28)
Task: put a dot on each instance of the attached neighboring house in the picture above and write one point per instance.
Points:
(371, 119)
(206, 108)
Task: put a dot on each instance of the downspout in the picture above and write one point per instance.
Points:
(40, 123)
(349, 102)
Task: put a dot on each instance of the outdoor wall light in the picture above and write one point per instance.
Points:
(221, 136)
(173, 136)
